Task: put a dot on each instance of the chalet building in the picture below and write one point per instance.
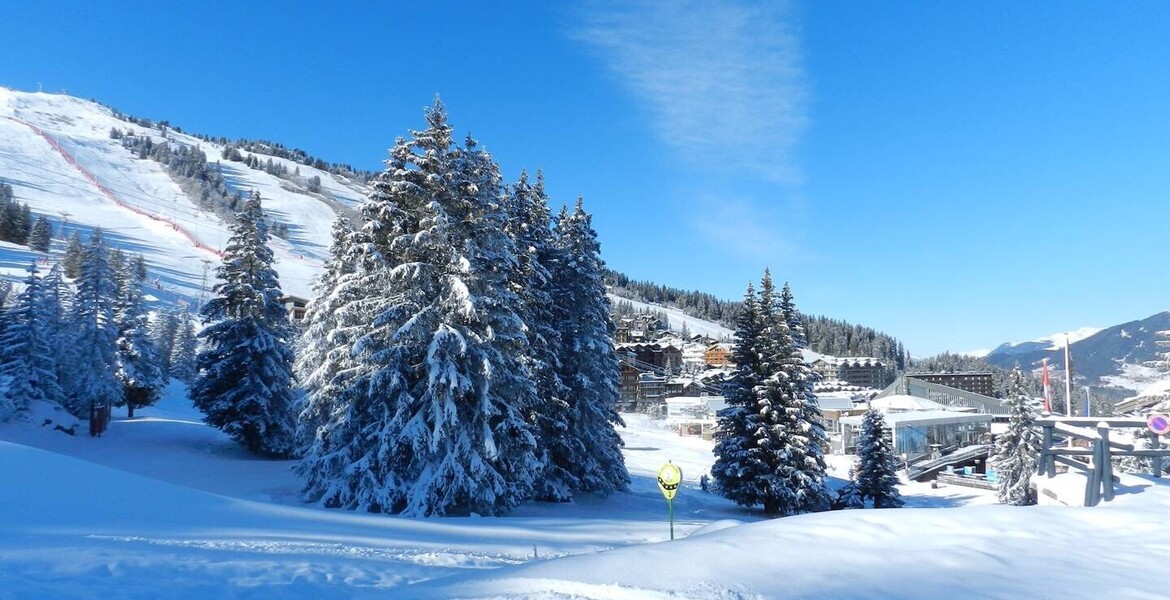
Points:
(978, 382)
(628, 388)
(297, 311)
(693, 358)
(718, 355)
(659, 357)
(861, 371)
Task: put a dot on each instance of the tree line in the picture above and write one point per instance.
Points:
(90, 340)
(826, 336)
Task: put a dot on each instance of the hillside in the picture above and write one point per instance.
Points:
(1112, 357)
(57, 154)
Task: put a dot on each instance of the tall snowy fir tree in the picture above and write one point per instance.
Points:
(162, 331)
(744, 469)
(334, 412)
(1017, 450)
(529, 224)
(589, 362)
(804, 458)
(58, 306)
(437, 398)
(184, 348)
(877, 471)
(769, 448)
(93, 378)
(138, 365)
(26, 354)
(244, 380)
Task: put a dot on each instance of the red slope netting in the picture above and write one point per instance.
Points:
(109, 194)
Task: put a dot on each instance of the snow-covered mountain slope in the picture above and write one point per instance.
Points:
(1114, 356)
(1055, 341)
(57, 154)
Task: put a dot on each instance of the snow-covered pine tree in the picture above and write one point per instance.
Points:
(58, 298)
(74, 253)
(244, 383)
(589, 363)
(1017, 450)
(41, 236)
(26, 356)
(849, 496)
(558, 448)
(744, 469)
(138, 368)
(803, 461)
(163, 328)
(877, 472)
(92, 379)
(436, 401)
(184, 348)
(334, 414)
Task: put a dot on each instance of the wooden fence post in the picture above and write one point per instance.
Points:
(1156, 461)
(1047, 459)
(1106, 466)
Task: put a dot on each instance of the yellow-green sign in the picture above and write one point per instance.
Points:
(669, 478)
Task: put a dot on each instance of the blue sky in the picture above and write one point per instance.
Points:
(955, 174)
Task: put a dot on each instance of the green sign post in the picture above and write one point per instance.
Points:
(669, 478)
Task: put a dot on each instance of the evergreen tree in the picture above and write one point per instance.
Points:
(244, 384)
(163, 329)
(328, 433)
(804, 457)
(138, 369)
(93, 377)
(435, 405)
(589, 363)
(74, 251)
(41, 237)
(26, 357)
(1017, 450)
(849, 496)
(57, 312)
(528, 224)
(744, 468)
(877, 472)
(184, 349)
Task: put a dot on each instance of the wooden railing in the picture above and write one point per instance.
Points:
(1096, 460)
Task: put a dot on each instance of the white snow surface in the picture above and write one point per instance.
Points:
(1057, 341)
(164, 506)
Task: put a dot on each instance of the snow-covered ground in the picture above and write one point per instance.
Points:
(163, 506)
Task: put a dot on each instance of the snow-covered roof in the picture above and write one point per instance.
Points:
(922, 418)
(902, 402)
(835, 401)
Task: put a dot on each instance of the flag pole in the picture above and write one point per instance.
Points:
(1047, 388)
(1068, 380)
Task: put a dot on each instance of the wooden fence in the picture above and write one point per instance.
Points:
(1095, 460)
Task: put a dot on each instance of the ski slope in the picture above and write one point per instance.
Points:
(164, 506)
(56, 153)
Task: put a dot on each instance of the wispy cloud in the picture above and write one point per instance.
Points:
(722, 80)
(743, 228)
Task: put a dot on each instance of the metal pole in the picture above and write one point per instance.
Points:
(670, 505)
(1088, 402)
(1068, 381)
